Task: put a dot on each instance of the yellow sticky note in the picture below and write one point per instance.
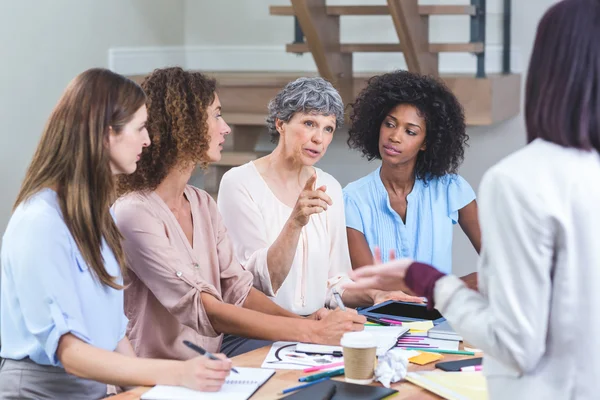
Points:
(419, 326)
(425, 358)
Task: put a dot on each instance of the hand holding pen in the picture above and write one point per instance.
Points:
(208, 354)
(201, 373)
(330, 329)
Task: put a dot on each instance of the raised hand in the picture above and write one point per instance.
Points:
(311, 201)
(388, 276)
(398, 295)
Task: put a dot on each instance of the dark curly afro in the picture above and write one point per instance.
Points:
(177, 103)
(445, 136)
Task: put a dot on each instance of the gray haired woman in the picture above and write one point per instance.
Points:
(285, 216)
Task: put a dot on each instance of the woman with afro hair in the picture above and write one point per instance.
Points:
(407, 207)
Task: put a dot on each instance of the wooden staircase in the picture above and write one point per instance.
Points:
(487, 99)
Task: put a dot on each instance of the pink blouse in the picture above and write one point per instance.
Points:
(167, 275)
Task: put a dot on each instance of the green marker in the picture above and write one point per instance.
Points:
(327, 374)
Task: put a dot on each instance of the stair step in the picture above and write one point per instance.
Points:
(475, 47)
(235, 158)
(486, 100)
(248, 119)
(382, 10)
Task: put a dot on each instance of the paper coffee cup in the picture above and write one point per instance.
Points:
(360, 349)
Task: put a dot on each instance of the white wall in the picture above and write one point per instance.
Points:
(248, 24)
(47, 43)
(50, 42)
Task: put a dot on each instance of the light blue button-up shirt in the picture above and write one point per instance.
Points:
(47, 289)
(432, 210)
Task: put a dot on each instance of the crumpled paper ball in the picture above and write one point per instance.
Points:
(391, 367)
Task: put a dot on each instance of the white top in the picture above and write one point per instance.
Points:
(254, 217)
(537, 317)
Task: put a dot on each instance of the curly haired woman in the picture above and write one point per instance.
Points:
(185, 282)
(407, 207)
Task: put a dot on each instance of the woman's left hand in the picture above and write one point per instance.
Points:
(398, 295)
(386, 277)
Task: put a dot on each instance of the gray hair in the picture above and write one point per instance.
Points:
(306, 95)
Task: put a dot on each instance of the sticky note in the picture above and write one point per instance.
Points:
(419, 326)
(425, 358)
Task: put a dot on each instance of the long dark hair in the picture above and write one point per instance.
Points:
(72, 157)
(563, 83)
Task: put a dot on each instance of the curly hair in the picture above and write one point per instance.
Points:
(177, 103)
(445, 137)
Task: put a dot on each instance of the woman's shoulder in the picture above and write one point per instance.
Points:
(35, 219)
(324, 178)
(445, 182)
(133, 202)
(240, 174)
(202, 195)
(362, 186)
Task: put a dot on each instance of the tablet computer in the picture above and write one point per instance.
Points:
(401, 311)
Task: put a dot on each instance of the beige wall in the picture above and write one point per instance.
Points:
(45, 44)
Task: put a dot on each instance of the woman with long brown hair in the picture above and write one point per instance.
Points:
(63, 325)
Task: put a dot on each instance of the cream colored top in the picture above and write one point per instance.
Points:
(254, 217)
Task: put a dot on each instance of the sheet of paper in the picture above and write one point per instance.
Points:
(452, 385)
(386, 336)
(237, 387)
(282, 355)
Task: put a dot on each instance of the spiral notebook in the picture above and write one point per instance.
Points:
(237, 387)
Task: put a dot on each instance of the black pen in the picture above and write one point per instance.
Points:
(205, 353)
(377, 321)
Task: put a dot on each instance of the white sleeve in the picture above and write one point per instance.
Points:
(339, 255)
(510, 321)
(246, 228)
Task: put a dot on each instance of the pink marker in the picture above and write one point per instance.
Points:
(471, 369)
(391, 321)
(326, 366)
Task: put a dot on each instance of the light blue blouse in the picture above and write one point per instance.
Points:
(47, 289)
(432, 210)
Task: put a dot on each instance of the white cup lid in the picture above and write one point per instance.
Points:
(358, 340)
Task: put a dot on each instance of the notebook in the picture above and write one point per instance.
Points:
(444, 331)
(343, 391)
(237, 387)
(452, 385)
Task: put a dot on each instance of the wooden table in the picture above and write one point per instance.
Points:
(287, 378)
